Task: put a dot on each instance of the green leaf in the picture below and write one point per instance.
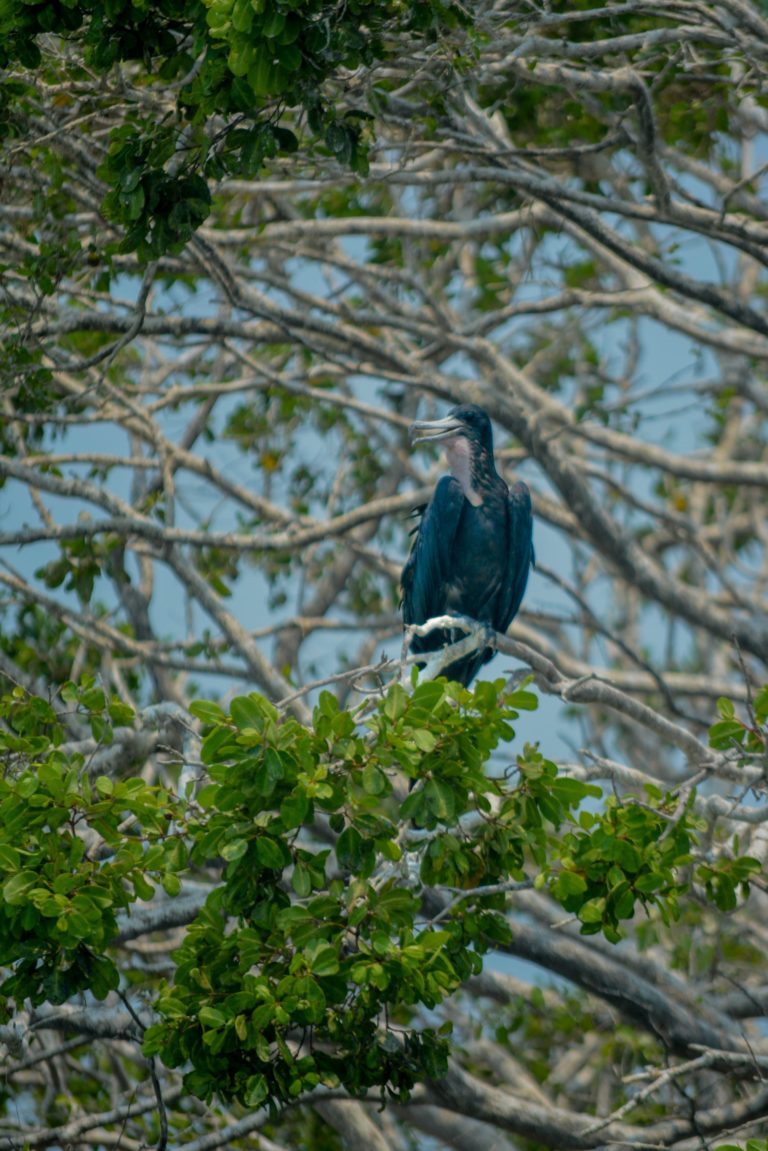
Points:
(216, 745)
(727, 734)
(272, 853)
(440, 799)
(17, 888)
(257, 1090)
(396, 702)
(761, 705)
(424, 739)
(269, 772)
(234, 849)
(752, 1145)
(144, 890)
(248, 711)
(570, 792)
(121, 714)
(294, 810)
(104, 977)
(171, 884)
(522, 700)
(212, 1017)
(569, 883)
(374, 781)
(324, 961)
(593, 911)
(274, 24)
(206, 711)
(349, 849)
(301, 880)
(10, 860)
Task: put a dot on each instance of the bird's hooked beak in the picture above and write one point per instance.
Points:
(426, 431)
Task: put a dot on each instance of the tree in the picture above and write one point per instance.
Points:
(231, 278)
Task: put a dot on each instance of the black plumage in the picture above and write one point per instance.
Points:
(474, 544)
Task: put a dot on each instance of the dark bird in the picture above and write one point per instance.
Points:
(474, 544)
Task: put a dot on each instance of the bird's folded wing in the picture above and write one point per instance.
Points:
(521, 553)
(429, 563)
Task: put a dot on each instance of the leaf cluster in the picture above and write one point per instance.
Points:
(349, 907)
(309, 961)
(628, 854)
(733, 734)
(244, 72)
(74, 851)
(312, 961)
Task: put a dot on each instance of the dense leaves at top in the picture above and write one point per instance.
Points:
(244, 82)
(233, 72)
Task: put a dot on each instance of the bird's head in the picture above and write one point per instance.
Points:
(468, 437)
(467, 420)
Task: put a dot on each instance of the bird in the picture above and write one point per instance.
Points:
(473, 546)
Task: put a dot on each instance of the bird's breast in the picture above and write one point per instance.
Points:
(479, 560)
